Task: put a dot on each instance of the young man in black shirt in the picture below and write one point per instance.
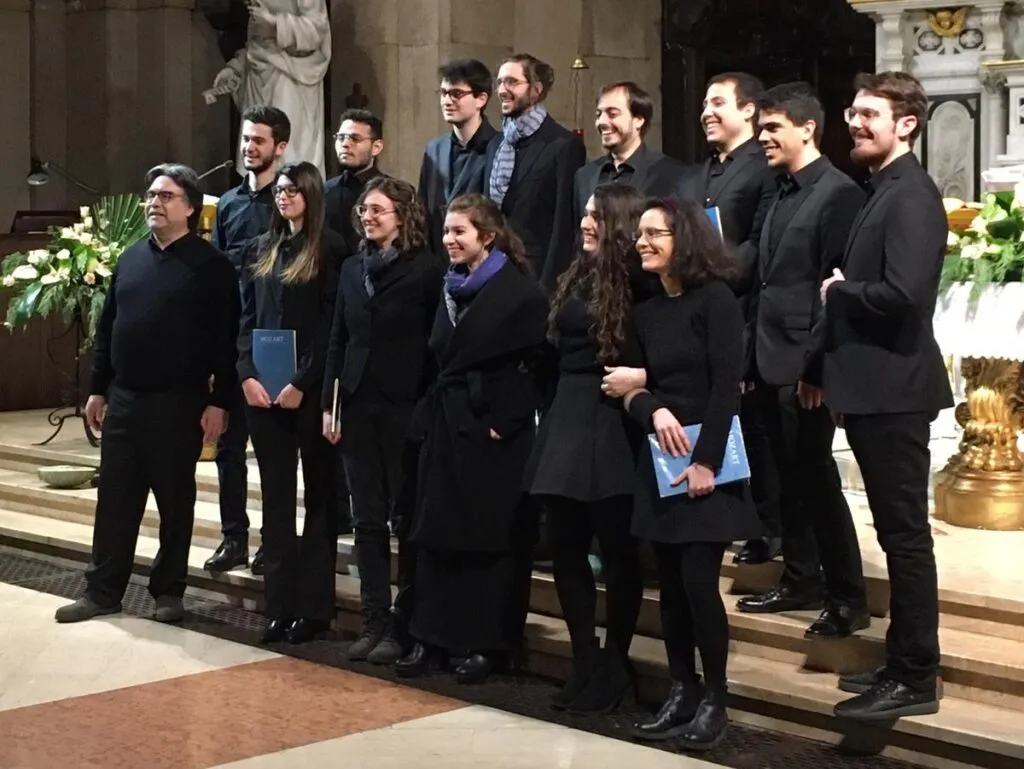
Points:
(243, 214)
(169, 325)
(359, 141)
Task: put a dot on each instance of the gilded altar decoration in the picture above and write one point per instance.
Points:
(948, 23)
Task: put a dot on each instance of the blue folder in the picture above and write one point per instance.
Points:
(273, 355)
(716, 220)
(667, 467)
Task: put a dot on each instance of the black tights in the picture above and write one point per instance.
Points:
(692, 612)
(572, 527)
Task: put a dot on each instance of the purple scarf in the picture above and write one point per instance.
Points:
(460, 285)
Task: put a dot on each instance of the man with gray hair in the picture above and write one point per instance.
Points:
(169, 327)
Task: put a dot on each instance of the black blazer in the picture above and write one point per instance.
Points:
(340, 195)
(436, 187)
(879, 354)
(743, 194)
(785, 301)
(538, 204)
(381, 343)
(307, 308)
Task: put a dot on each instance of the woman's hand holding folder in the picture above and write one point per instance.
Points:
(671, 436)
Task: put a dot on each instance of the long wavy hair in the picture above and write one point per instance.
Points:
(699, 254)
(412, 217)
(488, 220)
(305, 267)
(607, 270)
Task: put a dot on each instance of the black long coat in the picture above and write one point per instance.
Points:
(469, 494)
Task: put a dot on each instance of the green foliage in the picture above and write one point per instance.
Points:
(991, 250)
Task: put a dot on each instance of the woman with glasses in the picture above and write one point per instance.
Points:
(474, 527)
(691, 347)
(583, 462)
(288, 282)
(378, 366)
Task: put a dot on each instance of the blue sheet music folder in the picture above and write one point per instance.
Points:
(667, 468)
(273, 355)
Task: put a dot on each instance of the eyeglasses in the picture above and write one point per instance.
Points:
(289, 191)
(865, 115)
(165, 196)
(353, 138)
(509, 82)
(455, 94)
(372, 212)
(651, 233)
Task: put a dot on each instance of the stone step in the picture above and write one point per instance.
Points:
(766, 693)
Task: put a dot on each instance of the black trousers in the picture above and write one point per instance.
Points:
(299, 578)
(151, 442)
(572, 526)
(692, 613)
(764, 475)
(341, 504)
(233, 475)
(818, 536)
(373, 444)
(892, 452)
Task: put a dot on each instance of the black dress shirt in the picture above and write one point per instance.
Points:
(169, 322)
(242, 216)
(623, 174)
(790, 188)
(461, 153)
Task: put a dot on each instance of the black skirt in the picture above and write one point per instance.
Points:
(727, 514)
(584, 449)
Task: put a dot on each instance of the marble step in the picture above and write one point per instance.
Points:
(766, 693)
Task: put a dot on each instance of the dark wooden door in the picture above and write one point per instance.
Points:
(824, 42)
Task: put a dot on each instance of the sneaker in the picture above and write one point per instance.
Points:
(83, 609)
(169, 608)
(387, 652)
(373, 634)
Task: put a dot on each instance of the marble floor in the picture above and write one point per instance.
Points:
(126, 693)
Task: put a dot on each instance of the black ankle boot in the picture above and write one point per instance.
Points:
(582, 671)
(707, 728)
(675, 715)
(608, 686)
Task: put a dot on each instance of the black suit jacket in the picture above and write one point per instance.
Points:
(538, 204)
(785, 301)
(879, 353)
(436, 187)
(379, 345)
(743, 194)
(340, 195)
(307, 308)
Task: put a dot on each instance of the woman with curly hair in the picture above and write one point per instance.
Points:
(378, 366)
(583, 461)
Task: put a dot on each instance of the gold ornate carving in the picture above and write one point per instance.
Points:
(948, 23)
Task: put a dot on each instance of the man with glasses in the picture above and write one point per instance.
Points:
(359, 142)
(456, 163)
(885, 381)
(243, 214)
(531, 175)
(169, 325)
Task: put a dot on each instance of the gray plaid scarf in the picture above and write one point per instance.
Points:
(514, 130)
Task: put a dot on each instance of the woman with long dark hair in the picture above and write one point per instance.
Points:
(691, 344)
(474, 527)
(288, 283)
(378, 366)
(582, 466)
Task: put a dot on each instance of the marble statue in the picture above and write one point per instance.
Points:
(283, 65)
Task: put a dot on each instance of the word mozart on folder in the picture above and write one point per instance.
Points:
(667, 467)
(273, 355)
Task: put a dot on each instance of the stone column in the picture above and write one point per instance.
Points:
(15, 96)
(890, 50)
(993, 94)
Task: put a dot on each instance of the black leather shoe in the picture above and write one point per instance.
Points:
(305, 630)
(858, 683)
(840, 622)
(708, 726)
(474, 669)
(611, 682)
(675, 714)
(232, 554)
(780, 598)
(888, 700)
(761, 550)
(258, 568)
(582, 670)
(276, 631)
(416, 663)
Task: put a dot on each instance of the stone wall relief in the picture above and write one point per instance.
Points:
(944, 34)
(951, 145)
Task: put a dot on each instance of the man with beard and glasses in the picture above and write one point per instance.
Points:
(243, 214)
(359, 141)
(534, 164)
(803, 239)
(885, 381)
(168, 327)
(456, 163)
(737, 180)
